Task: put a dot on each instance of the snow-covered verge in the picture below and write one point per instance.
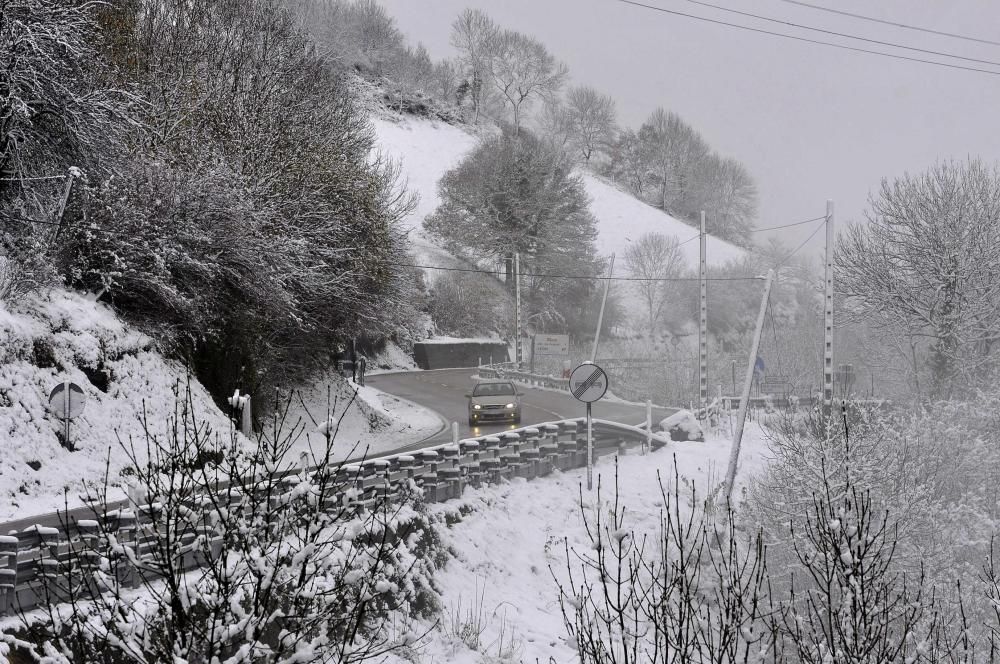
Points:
(367, 422)
(498, 593)
(65, 336)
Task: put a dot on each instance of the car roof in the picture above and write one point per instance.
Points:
(493, 380)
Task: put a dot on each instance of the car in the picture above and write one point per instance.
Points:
(494, 400)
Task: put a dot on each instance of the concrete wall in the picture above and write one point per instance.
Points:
(458, 354)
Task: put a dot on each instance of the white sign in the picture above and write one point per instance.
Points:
(588, 383)
(66, 400)
(551, 344)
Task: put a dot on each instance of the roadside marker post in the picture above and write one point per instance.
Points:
(649, 426)
(588, 383)
(66, 401)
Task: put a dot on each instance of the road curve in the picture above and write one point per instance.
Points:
(444, 390)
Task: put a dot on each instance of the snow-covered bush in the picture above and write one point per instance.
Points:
(250, 558)
(692, 591)
(470, 305)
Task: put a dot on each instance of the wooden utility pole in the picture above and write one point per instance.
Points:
(734, 451)
(517, 309)
(828, 316)
(703, 321)
(600, 316)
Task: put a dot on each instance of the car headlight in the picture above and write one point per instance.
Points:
(476, 406)
(510, 405)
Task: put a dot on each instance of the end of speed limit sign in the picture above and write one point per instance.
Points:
(588, 383)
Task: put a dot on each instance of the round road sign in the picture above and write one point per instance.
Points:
(66, 400)
(588, 382)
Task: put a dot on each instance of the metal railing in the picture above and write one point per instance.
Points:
(41, 557)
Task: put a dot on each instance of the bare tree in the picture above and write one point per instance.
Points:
(672, 152)
(521, 69)
(473, 33)
(724, 187)
(627, 163)
(591, 117)
(554, 123)
(926, 267)
(446, 78)
(654, 258)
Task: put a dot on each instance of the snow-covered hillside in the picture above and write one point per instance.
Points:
(65, 336)
(427, 149)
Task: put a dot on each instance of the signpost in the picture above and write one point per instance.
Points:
(66, 401)
(551, 345)
(588, 383)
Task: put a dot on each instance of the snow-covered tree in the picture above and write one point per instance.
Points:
(591, 117)
(925, 270)
(473, 34)
(672, 151)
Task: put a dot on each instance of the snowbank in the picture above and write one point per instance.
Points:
(366, 421)
(682, 425)
(507, 536)
(65, 336)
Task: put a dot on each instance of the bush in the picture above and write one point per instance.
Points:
(470, 305)
(247, 556)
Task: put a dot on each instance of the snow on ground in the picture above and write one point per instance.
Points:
(54, 338)
(623, 219)
(367, 422)
(391, 358)
(500, 578)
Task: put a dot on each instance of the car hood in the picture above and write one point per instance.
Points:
(495, 400)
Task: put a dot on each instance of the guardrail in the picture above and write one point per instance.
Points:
(39, 557)
(537, 380)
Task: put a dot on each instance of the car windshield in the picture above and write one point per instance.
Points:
(493, 389)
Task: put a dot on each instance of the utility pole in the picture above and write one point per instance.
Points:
(828, 317)
(600, 316)
(517, 309)
(734, 451)
(703, 321)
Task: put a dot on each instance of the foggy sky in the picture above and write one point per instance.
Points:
(810, 122)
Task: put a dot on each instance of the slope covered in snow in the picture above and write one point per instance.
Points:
(427, 149)
(65, 336)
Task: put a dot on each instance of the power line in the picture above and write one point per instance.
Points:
(571, 276)
(797, 223)
(892, 23)
(796, 250)
(806, 39)
(841, 34)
